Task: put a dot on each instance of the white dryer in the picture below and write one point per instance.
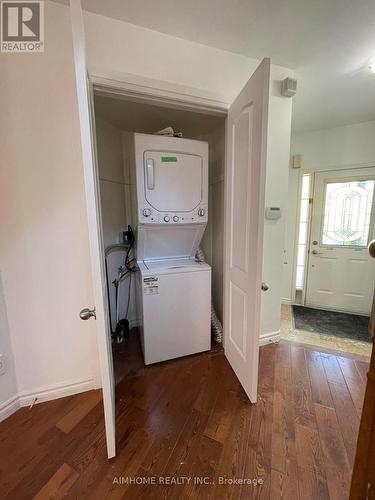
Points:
(170, 195)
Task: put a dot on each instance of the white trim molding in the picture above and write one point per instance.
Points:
(46, 393)
(287, 302)
(142, 89)
(9, 407)
(269, 338)
(49, 392)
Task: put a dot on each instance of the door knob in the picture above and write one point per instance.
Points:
(87, 313)
(315, 252)
(265, 286)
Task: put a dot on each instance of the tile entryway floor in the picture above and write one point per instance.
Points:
(330, 342)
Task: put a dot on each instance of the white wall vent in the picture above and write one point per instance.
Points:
(289, 87)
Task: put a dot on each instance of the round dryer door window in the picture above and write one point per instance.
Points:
(173, 181)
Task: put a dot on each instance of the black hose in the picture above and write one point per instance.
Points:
(127, 262)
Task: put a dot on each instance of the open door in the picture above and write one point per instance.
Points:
(245, 185)
(87, 127)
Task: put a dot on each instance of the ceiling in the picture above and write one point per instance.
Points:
(327, 42)
(148, 118)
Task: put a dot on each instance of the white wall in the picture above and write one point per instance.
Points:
(112, 182)
(113, 165)
(8, 381)
(44, 249)
(327, 149)
(213, 238)
(278, 152)
(123, 48)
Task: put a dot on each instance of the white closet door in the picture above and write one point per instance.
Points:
(245, 185)
(87, 127)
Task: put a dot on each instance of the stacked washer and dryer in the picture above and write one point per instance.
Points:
(169, 177)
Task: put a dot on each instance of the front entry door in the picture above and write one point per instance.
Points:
(340, 274)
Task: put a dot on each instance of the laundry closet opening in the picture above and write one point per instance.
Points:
(117, 119)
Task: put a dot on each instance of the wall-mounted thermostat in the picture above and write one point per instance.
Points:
(273, 212)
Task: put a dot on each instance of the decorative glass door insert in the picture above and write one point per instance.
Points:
(347, 213)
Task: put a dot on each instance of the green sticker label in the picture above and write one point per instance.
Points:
(168, 159)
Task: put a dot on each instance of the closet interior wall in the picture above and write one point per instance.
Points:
(213, 238)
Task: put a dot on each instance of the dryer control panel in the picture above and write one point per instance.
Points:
(148, 215)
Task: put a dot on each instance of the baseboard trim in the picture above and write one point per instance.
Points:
(287, 302)
(46, 393)
(50, 392)
(134, 323)
(269, 338)
(9, 407)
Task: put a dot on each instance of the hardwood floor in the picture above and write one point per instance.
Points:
(189, 420)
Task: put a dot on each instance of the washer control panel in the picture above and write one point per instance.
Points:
(149, 216)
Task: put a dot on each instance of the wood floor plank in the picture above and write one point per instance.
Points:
(347, 418)
(332, 369)
(336, 461)
(283, 454)
(302, 395)
(221, 416)
(319, 384)
(258, 435)
(309, 452)
(172, 415)
(312, 487)
(79, 412)
(234, 453)
(362, 367)
(59, 484)
(206, 455)
(283, 488)
(354, 382)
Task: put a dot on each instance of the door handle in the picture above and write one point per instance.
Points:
(87, 313)
(315, 252)
(150, 178)
(371, 248)
(265, 286)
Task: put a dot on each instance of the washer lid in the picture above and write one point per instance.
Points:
(170, 266)
(173, 181)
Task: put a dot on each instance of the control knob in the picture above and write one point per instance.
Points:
(166, 218)
(201, 212)
(176, 218)
(146, 212)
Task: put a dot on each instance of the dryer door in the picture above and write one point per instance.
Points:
(173, 182)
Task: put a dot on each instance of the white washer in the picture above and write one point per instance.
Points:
(174, 298)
